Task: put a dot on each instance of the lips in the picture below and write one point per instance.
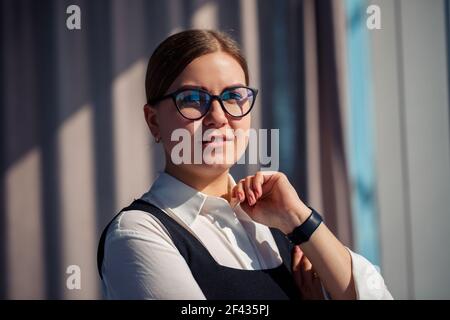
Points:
(217, 139)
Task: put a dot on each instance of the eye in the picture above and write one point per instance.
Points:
(190, 98)
(232, 95)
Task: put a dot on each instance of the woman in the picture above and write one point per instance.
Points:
(197, 234)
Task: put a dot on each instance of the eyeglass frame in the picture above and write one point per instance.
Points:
(213, 97)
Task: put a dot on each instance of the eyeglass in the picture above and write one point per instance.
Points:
(194, 103)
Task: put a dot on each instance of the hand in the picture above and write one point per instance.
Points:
(305, 277)
(270, 199)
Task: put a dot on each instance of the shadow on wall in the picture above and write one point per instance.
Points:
(59, 141)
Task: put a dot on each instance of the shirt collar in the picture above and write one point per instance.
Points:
(184, 201)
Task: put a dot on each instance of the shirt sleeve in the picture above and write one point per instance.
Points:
(142, 262)
(369, 284)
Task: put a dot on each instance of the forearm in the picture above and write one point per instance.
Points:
(331, 261)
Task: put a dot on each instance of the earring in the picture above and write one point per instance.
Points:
(157, 139)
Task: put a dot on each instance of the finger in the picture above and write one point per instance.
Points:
(251, 199)
(269, 179)
(310, 288)
(297, 255)
(257, 183)
(234, 200)
(233, 192)
(306, 271)
(253, 189)
(239, 190)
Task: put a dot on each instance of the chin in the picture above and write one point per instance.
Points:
(216, 167)
(210, 169)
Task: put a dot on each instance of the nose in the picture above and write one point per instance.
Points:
(216, 116)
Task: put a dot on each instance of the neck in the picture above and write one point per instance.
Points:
(210, 184)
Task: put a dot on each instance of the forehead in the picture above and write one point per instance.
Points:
(213, 71)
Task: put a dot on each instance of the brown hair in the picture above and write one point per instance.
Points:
(173, 55)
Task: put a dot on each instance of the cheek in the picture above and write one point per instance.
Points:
(175, 126)
(170, 120)
(241, 128)
(242, 124)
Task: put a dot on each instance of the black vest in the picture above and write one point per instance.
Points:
(216, 281)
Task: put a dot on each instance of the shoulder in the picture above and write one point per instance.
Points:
(136, 224)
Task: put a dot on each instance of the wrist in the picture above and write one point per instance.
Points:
(298, 215)
(304, 231)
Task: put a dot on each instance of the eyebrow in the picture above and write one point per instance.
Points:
(189, 86)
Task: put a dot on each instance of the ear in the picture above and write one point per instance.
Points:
(151, 117)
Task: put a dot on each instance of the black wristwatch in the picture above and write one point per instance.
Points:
(303, 232)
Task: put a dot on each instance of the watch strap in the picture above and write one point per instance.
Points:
(303, 232)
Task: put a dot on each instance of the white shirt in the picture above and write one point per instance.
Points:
(142, 262)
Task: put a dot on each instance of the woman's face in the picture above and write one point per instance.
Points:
(213, 72)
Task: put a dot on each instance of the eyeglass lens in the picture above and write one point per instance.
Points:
(194, 104)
